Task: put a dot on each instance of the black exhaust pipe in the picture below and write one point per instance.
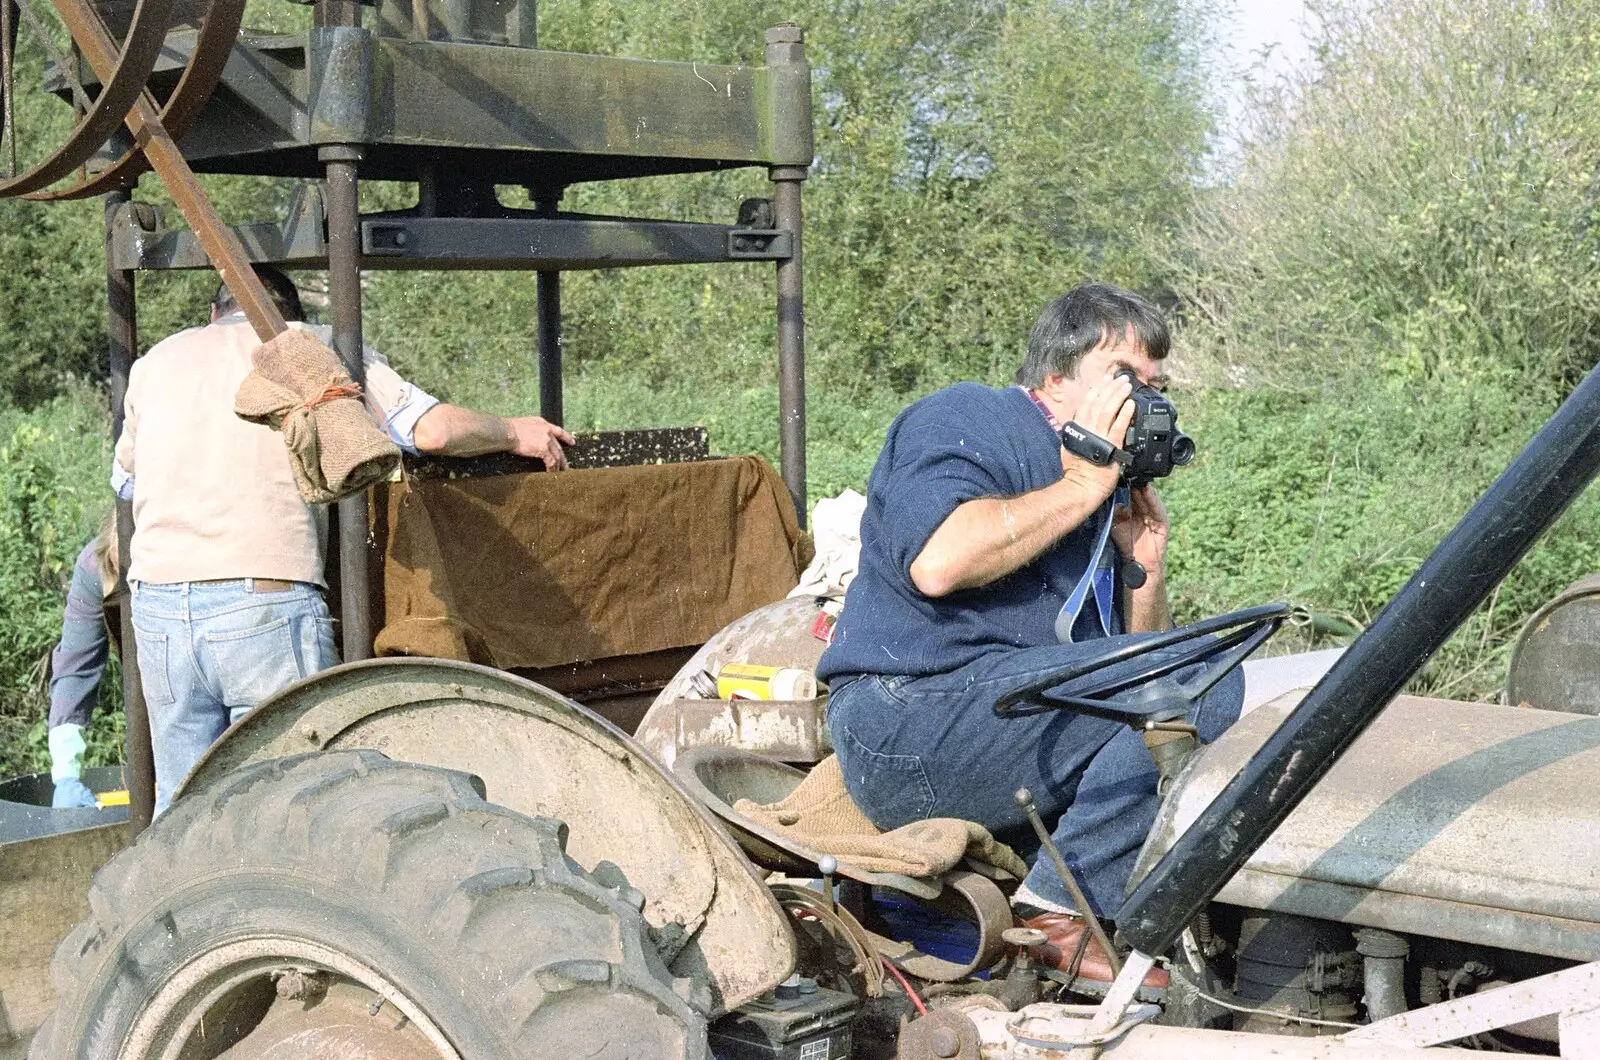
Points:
(1524, 501)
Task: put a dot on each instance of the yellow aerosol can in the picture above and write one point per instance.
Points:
(749, 681)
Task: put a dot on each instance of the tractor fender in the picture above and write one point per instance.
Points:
(541, 754)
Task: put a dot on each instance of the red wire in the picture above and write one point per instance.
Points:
(904, 985)
(806, 914)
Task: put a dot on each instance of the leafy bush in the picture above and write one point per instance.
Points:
(1332, 499)
(1422, 206)
(53, 494)
(1404, 273)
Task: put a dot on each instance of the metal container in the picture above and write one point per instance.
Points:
(1555, 664)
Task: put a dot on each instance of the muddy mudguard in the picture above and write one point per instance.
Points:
(543, 755)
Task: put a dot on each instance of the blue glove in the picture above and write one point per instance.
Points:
(72, 793)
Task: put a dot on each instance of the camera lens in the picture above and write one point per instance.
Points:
(1182, 449)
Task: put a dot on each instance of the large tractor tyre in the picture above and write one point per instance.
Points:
(341, 904)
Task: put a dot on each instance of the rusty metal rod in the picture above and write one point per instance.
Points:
(344, 297)
(1024, 801)
(139, 767)
(144, 121)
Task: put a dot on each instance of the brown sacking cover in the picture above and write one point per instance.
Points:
(536, 570)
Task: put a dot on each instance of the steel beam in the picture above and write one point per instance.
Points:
(512, 243)
(527, 114)
(791, 343)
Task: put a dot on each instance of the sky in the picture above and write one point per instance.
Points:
(1252, 26)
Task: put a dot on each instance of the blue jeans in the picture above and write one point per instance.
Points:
(918, 747)
(210, 651)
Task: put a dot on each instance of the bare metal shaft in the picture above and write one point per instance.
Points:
(550, 381)
(144, 121)
(344, 296)
(1024, 799)
(139, 772)
(791, 339)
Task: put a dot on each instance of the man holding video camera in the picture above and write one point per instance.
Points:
(990, 556)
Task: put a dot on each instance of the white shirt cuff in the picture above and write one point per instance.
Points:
(121, 481)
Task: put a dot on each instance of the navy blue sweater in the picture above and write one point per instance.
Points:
(964, 442)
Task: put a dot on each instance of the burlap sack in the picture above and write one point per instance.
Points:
(298, 386)
(821, 816)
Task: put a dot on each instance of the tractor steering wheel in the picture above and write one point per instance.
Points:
(1086, 686)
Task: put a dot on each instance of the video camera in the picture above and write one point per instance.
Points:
(1153, 445)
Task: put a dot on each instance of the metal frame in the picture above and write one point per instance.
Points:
(1119, 1027)
(422, 98)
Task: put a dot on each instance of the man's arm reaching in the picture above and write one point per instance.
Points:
(450, 430)
(989, 537)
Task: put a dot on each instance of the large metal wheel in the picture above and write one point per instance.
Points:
(42, 141)
(213, 44)
(342, 904)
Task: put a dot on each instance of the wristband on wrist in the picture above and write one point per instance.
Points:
(1091, 447)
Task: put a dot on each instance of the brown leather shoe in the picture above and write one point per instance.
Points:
(1065, 933)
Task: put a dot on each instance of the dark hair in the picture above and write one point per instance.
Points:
(1084, 318)
(282, 289)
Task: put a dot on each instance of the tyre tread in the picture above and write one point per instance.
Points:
(465, 873)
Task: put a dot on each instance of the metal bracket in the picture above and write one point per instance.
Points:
(760, 244)
(1048, 1026)
(141, 240)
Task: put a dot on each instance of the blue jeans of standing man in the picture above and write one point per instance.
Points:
(210, 651)
(918, 747)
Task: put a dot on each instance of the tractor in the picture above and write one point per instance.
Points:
(517, 832)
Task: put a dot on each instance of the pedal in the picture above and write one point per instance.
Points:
(1095, 990)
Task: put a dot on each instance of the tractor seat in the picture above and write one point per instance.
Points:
(720, 777)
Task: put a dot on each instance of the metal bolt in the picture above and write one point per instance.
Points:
(1027, 938)
(945, 1042)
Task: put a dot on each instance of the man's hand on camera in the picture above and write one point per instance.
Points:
(1139, 529)
(1105, 411)
(537, 437)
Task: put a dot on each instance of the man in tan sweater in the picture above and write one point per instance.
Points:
(226, 561)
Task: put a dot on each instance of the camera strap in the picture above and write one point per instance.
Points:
(1099, 577)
